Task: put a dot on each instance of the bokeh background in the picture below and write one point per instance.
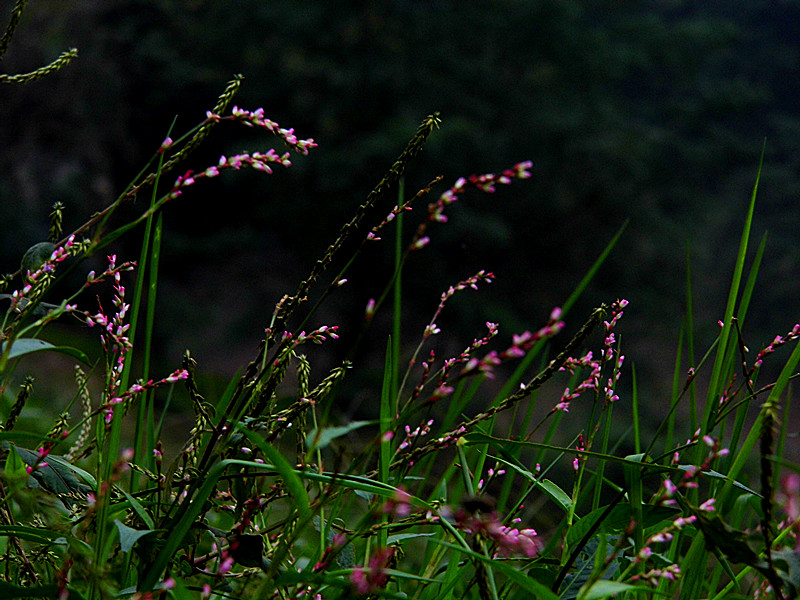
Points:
(653, 113)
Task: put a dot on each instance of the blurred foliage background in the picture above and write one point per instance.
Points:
(649, 112)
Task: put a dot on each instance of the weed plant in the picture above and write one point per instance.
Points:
(432, 499)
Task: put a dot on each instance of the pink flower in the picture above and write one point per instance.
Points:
(708, 505)
(510, 541)
(373, 578)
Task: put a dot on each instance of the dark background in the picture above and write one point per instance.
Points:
(650, 112)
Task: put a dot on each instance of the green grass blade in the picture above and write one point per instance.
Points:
(386, 417)
(723, 357)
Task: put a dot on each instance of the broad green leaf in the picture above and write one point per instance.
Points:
(320, 438)
(23, 346)
(36, 256)
(15, 467)
(54, 474)
(605, 589)
(62, 464)
(599, 548)
(550, 489)
(789, 564)
(129, 536)
(556, 494)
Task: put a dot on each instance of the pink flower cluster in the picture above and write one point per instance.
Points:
(609, 355)
(40, 463)
(655, 576)
(580, 447)
(509, 541)
(777, 343)
(256, 118)
(337, 543)
(317, 336)
(45, 271)
(260, 161)
(373, 578)
(117, 344)
(520, 344)
(399, 504)
(789, 496)
(486, 183)
(471, 282)
(413, 436)
(692, 472)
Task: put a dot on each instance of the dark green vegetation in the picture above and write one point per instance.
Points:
(653, 112)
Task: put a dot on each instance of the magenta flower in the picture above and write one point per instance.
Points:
(374, 577)
(509, 541)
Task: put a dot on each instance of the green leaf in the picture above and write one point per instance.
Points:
(550, 489)
(596, 550)
(128, 536)
(36, 256)
(23, 346)
(556, 494)
(138, 508)
(789, 564)
(604, 589)
(15, 467)
(57, 476)
(320, 438)
(717, 475)
(31, 534)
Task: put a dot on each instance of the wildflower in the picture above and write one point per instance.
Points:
(654, 576)
(643, 554)
(682, 522)
(477, 516)
(374, 577)
(789, 496)
(411, 436)
(708, 505)
(399, 504)
(40, 462)
(370, 310)
(420, 243)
